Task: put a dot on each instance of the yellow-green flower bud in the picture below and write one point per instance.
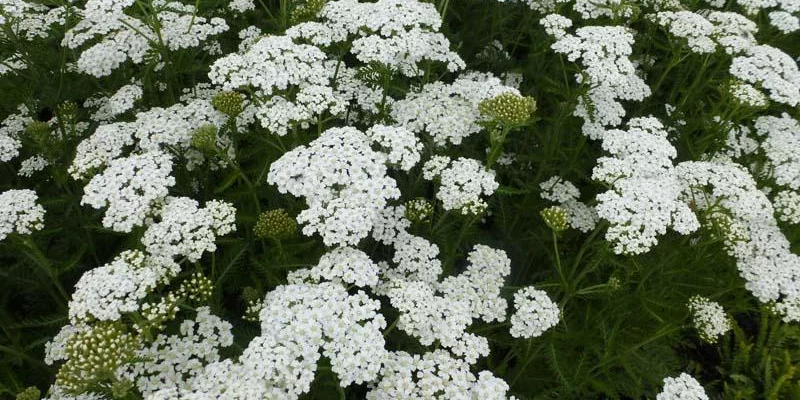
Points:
(204, 139)
(95, 355)
(307, 10)
(508, 109)
(275, 224)
(228, 103)
(30, 393)
(556, 218)
(197, 289)
(39, 131)
(419, 210)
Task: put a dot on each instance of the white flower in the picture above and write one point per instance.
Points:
(448, 113)
(10, 129)
(645, 195)
(787, 206)
(107, 292)
(784, 21)
(131, 187)
(773, 70)
(462, 183)
(31, 165)
(186, 230)
(110, 107)
(343, 264)
(171, 360)
(481, 283)
(343, 181)
(709, 318)
(536, 313)
(684, 387)
(781, 145)
(690, 26)
(19, 212)
(403, 147)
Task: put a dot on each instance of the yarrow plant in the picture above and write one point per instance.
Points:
(399, 199)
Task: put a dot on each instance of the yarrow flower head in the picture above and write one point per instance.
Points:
(535, 314)
(229, 103)
(683, 387)
(19, 212)
(709, 318)
(275, 224)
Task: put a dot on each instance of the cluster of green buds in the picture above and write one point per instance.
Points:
(419, 210)
(508, 109)
(556, 218)
(30, 393)
(94, 357)
(204, 139)
(196, 289)
(229, 103)
(275, 224)
(306, 10)
(39, 132)
(67, 112)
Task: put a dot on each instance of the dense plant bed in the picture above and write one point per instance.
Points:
(400, 199)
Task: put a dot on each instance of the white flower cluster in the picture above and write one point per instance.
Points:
(481, 283)
(733, 32)
(434, 375)
(107, 292)
(608, 72)
(781, 145)
(462, 183)
(403, 146)
(739, 141)
(555, 25)
(396, 33)
(153, 130)
(10, 129)
(590, 9)
(187, 230)
(448, 112)
(786, 22)
(762, 252)
(535, 314)
(690, 26)
(14, 63)
(771, 69)
(242, 5)
(132, 188)
(342, 265)
(709, 318)
(296, 323)
(272, 65)
(110, 107)
(31, 20)
(123, 37)
(684, 387)
(645, 195)
(343, 181)
(19, 212)
(170, 360)
(31, 165)
(415, 259)
(580, 216)
(747, 95)
(787, 206)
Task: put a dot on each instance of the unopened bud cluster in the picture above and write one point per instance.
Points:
(197, 289)
(419, 210)
(508, 109)
(275, 224)
(556, 218)
(94, 356)
(228, 103)
(308, 10)
(30, 393)
(204, 139)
